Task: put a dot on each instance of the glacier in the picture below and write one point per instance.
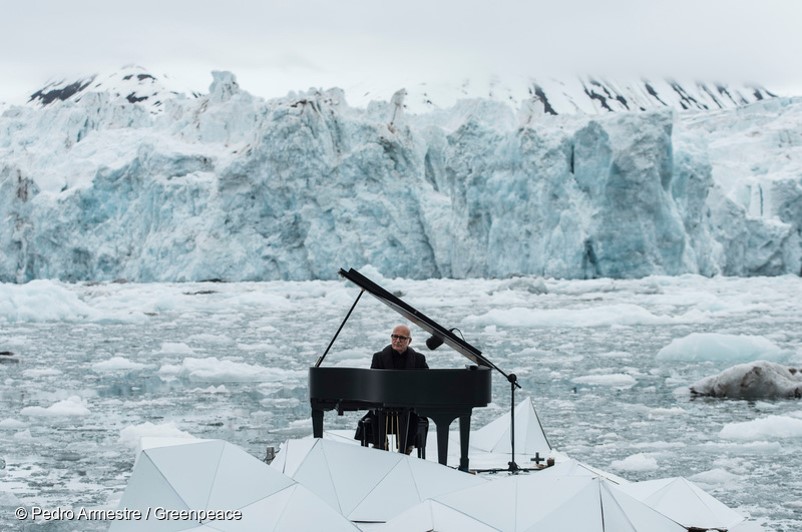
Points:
(122, 185)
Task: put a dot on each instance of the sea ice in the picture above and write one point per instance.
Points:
(616, 380)
(636, 463)
(768, 428)
(72, 406)
(717, 346)
(117, 363)
(754, 380)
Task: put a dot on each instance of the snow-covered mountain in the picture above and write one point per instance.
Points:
(591, 95)
(103, 180)
(131, 84)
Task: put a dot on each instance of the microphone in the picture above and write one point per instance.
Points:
(433, 342)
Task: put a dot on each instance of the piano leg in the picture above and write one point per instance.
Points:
(403, 430)
(442, 441)
(380, 434)
(443, 421)
(464, 434)
(317, 423)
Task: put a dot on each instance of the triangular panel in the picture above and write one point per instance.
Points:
(243, 479)
(433, 479)
(305, 511)
(294, 452)
(147, 489)
(356, 470)
(189, 468)
(642, 517)
(314, 475)
(394, 494)
(263, 515)
(497, 504)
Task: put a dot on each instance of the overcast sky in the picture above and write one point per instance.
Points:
(274, 47)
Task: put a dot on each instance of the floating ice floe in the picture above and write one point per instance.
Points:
(723, 347)
(754, 380)
(117, 363)
(72, 406)
(615, 380)
(769, 428)
(138, 436)
(214, 370)
(636, 462)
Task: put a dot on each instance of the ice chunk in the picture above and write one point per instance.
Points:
(717, 346)
(132, 436)
(756, 380)
(636, 462)
(72, 406)
(616, 380)
(117, 364)
(769, 428)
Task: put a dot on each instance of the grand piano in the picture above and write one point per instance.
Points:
(442, 395)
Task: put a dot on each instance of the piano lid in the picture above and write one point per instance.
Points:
(419, 319)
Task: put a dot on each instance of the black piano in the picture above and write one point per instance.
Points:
(441, 395)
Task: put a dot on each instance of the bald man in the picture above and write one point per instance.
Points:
(398, 355)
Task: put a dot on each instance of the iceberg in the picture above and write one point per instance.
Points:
(718, 346)
(755, 380)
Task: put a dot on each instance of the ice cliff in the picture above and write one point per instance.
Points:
(144, 184)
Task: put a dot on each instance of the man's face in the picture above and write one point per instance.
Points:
(400, 338)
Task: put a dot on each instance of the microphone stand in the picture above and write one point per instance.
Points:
(437, 339)
(512, 466)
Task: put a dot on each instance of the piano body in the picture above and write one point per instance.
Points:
(442, 395)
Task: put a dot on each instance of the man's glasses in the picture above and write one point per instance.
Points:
(399, 337)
